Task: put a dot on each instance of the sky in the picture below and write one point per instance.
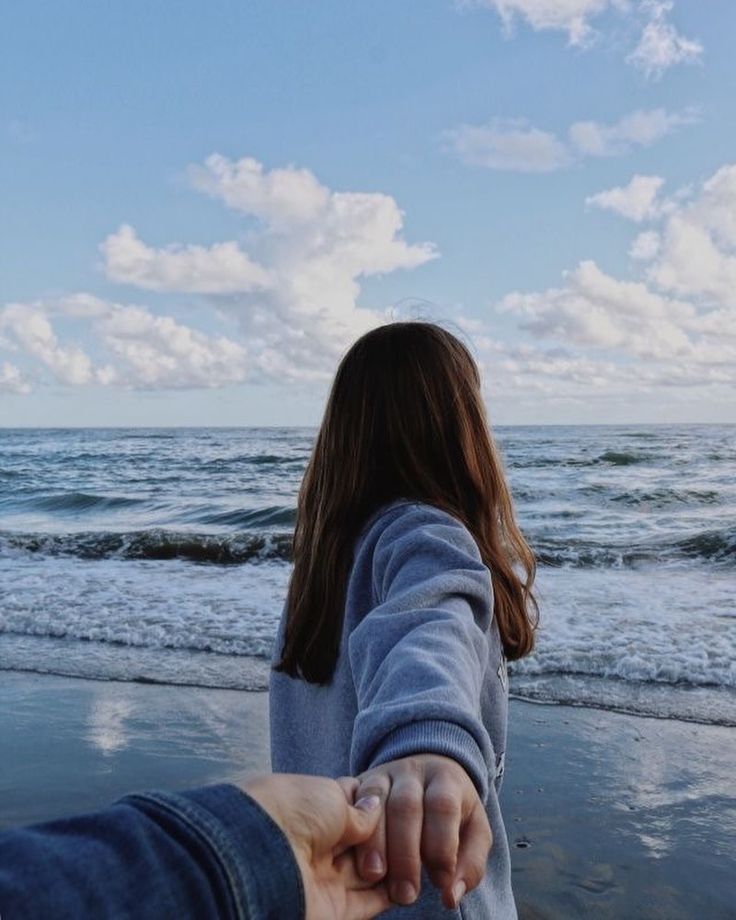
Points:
(202, 206)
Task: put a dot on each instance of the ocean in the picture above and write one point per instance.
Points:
(163, 555)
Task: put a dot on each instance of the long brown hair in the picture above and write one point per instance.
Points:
(405, 418)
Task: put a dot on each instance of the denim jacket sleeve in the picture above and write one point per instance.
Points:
(211, 852)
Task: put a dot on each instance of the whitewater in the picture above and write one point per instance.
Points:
(164, 555)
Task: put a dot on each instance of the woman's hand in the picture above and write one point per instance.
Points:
(322, 827)
(432, 814)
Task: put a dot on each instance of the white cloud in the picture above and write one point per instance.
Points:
(571, 16)
(290, 301)
(638, 129)
(511, 144)
(645, 246)
(363, 227)
(514, 144)
(278, 196)
(596, 335)
(31, 331)
(146, 350)
(675, 328)
(159, 352)
(697, 254)
(12, 379)
(592, 308)
(220, 269)
(315, 245)
(558, 378)
(661, 46)
(637, 200)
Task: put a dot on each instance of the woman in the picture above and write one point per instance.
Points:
(404, 604)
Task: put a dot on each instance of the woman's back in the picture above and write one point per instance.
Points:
(420, 670)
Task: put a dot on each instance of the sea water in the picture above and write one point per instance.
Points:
(164, 555)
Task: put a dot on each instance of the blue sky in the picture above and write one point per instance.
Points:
(204, 205)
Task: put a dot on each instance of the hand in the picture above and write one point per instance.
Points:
(433, 815)
(322, 827)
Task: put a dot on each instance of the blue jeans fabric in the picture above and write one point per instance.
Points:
(211, 852)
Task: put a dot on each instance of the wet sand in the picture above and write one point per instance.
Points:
(608, 815)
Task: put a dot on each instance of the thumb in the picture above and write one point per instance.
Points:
(360, 822)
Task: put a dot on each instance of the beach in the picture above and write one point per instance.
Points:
(608, 814)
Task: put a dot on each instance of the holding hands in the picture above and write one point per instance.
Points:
(431, 815)
(322, 826)
(356, 860)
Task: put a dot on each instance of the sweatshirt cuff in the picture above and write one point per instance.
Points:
(253, 851)
(435, 736)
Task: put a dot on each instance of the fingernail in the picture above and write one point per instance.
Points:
(458, 891)
(404, 893)
(368, 803)
(374, 862)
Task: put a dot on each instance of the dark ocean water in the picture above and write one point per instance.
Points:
(164, 555)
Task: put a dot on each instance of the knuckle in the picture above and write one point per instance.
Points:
(373, 784)
(412, 765)
(443, 802)
(474, 873)
(406, 805)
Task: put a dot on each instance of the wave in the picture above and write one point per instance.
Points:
(196, 667)
(253, 459)
(682, 672)
(263, 517)
(610, 457)
(665, 498)
(218, 549)
(703, 705)
(72, 502)
(622, 458)
(713, 546)
(131, 638)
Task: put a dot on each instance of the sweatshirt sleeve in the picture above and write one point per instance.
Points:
(419, 656)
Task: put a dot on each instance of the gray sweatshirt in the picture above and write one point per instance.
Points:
(420, 670)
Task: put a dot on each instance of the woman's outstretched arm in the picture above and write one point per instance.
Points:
(418, 660)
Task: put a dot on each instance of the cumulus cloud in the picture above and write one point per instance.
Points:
(638, 129)
(661, 46)
(645, 246)
(595, 336)
(289, 298)
(673, 327)
(220, 269)
(697, 254)
(511, 144)
(30, 330)
(593, 308)
(310, 249)
(571, 16)
(159, 352)
(637, 200)
(12, 379)
(278, 196)
(515, 144)
(363, 228)
(139, 349)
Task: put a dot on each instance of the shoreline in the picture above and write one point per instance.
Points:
(608, 814)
